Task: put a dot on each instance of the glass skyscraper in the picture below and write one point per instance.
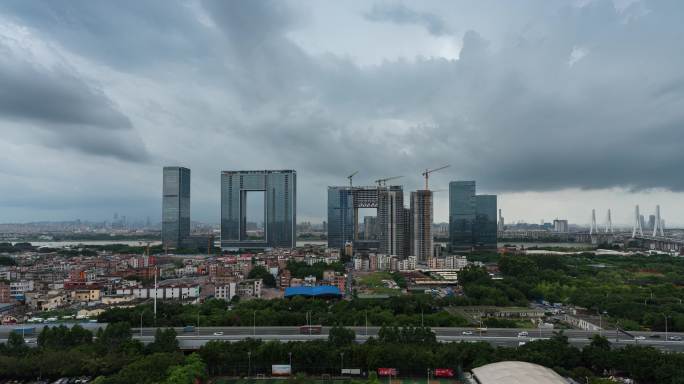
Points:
(175, 206)
(279, 192)
(340, 216)
(485, 230)
(472, 218)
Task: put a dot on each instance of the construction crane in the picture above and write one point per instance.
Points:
(429, 171)
(350, 177)
(383, 182)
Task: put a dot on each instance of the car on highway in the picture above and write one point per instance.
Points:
(639, 338)
(521, 343)
(218, 333)
(655, 336)
(466, 333)
(676, 338)
(523, 334)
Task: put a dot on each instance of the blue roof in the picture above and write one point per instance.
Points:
(315, 291)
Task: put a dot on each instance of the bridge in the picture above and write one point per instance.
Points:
(511, 337)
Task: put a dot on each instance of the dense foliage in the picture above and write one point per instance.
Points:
(115, 358)
(260, 272)
(396, 311)
(301, 270)
(112, 356)
(637, 291)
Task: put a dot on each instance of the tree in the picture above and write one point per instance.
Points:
(260, 272)
(193, 369)
(341, 336)
(164, 341)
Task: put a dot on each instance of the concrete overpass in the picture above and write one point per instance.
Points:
(495, 336)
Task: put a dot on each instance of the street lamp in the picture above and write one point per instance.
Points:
(254, 324)
(290, 354)
(665, 326)
(341, 363)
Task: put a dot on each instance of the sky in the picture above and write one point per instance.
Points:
(558, 107)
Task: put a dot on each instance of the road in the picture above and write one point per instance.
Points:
(494, 336)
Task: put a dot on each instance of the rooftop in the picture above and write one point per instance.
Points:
(516, 372)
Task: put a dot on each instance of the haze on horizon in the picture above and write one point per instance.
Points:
(557, 107)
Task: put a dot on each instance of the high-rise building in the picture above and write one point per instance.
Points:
(391, 221)
(175, 206)
(421, 224)
(344, 203)
(340, 217)
(651, 221)
(485, 221)
(472, 218)
(461, 214)
(561, 226)
(278, 189)
(370, 227)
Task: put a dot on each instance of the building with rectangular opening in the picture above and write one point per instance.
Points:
(277, 189)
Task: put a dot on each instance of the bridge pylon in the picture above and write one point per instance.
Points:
(637, 223)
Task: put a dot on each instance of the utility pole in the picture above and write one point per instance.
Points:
(156, 289)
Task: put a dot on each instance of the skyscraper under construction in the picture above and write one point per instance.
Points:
(421, 224)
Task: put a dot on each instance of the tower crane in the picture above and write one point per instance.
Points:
(383, 182)
(350, 177)
(429, 171)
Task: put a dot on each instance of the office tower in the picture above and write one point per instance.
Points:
(472, 218)
(485, 221)
(407, 229)
(642, 221)
(277, 189)
(340, 217)
(421, 224)
(461, 214)
(391, 221)
(370, 227)
(651, 222)
(175, 206)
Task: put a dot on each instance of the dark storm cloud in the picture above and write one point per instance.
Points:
(400, 14)
(583, 97)
(123, 34)
(68, 112)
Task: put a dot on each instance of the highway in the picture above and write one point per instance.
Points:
(495, 336)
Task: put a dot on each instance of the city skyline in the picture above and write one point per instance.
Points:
(508, 95)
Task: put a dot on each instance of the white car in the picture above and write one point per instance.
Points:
(676, 338)
(218, 333)
(639, 338)
(521, 343)
(466, 333)
(523, 334)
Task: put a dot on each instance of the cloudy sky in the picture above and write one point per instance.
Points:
(557, 107)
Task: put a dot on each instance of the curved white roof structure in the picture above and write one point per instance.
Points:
(516, 372)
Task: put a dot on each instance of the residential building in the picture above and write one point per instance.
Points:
(249, 288)
(391, 222)
(421, 224)
(225, 292)
(175, 206)
(561, 226)
(21, 287)
(278, 189)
